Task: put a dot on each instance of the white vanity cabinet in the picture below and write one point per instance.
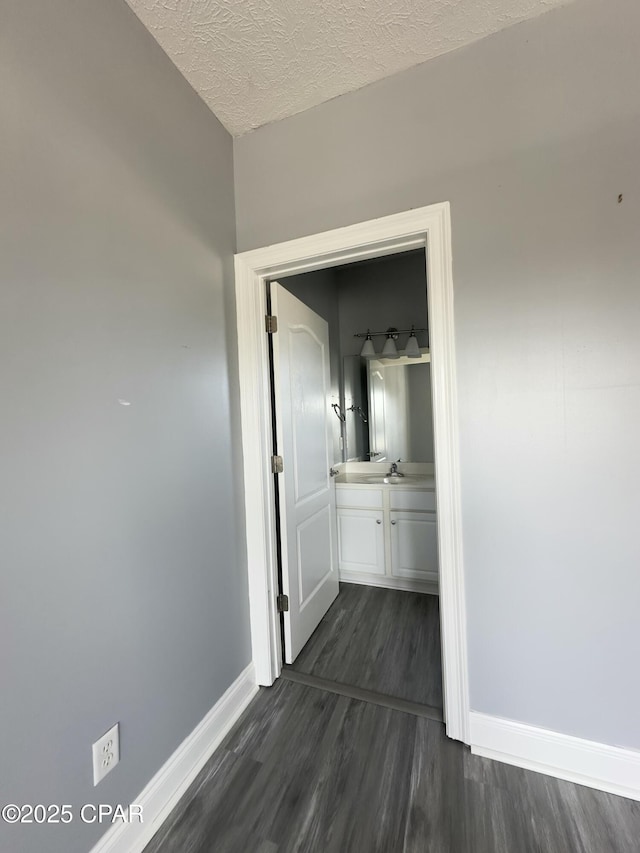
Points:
(361, 541)
(413, 534)
(414, 545)
(361, 537)
(388, 537)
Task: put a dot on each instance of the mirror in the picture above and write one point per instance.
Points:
(388, 409)
(356, 409)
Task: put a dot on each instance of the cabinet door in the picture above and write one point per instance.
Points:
(361, 541)
(414, 545)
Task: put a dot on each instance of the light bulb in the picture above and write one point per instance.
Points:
(412, 349)
(367, 350)
(389, 349)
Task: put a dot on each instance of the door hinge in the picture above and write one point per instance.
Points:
(282, 603)
(277, 465)
(271, 324)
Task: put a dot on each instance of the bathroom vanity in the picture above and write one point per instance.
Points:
(387, 529)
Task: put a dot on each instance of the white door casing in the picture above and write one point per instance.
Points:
(301, 380)
(428, 228)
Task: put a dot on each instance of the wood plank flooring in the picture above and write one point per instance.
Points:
(315, 772)
(378, 639)
(370, 696)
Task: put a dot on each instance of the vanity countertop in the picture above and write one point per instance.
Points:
(376, 481)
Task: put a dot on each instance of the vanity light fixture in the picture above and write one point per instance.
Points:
(412, 349)
(368, 350)
(390, 350)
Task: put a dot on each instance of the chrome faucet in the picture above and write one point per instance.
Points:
(394, 469)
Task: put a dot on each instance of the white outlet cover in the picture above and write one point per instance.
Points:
(106, 753)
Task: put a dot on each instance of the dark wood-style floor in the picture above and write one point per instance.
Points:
(309, 771)
(379, 639)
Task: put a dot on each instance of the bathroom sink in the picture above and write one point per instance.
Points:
(372, 479)
(386, 480)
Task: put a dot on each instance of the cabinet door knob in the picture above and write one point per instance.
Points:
(378, 521)
(393, 522)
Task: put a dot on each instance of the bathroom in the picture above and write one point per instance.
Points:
(380, 637)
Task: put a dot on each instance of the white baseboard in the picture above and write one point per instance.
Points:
(172, 780)
(406, 584)
(585, 762)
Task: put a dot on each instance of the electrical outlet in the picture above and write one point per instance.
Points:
(106, 753)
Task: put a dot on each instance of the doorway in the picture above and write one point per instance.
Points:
(380, 631)
(427, 229)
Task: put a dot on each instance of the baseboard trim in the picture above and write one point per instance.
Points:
(596, 765)
(172, 780)
(405, 584)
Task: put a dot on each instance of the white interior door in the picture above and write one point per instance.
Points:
(307, 494)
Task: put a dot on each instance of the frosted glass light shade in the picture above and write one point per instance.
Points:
(413, 347)
(367, 350)
(389, 349)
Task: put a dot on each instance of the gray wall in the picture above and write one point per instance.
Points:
(531, 135)
(123, 586)
(371, 294)
(390, 291)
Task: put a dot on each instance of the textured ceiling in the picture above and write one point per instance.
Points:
(256, 61)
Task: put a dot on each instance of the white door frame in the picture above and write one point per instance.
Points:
(424, 227)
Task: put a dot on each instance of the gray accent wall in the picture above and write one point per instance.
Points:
(390, 291)
(123, 580)
(369, 294)
(532, 135)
